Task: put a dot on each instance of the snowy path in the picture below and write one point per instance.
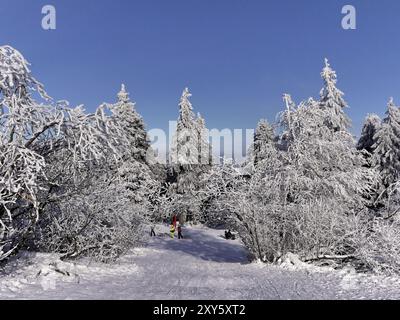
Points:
(204, 266)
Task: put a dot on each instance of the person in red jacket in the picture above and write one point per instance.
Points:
(174, 220)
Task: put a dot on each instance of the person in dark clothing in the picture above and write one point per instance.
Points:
(180, 236)
(152, 232)
(228, 234)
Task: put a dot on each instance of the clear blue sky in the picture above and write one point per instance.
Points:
(236, 56)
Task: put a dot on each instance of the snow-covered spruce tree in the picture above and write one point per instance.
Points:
(205, 152)
(371, 126)
(47, 150)
(135, 168)
(332, 101)
(124, 112)
(185, 146)
(387, 145)
(126, 115)
(190, 157)
(263, 138)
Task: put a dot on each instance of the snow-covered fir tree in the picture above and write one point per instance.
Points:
(188, 140)
(332, 100)
(264, 137)
(124, 112)
(134, 171)
(371, 126)
(205, 155)
(387, 145)
(190, 147)
(190, 155)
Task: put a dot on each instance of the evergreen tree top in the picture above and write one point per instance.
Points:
(184, 101)
(186, 115)
(290, 105)
(332, 100)
(391, 102)
(371, 126)
(328, 74)
(201, 121)
(264, 132)
(123, 95)
(263, 125)
(329, 92)
(392, 114)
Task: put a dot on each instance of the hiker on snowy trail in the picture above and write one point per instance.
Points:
(172, 231)
(229, 235)
(152, 232)
(180, 236)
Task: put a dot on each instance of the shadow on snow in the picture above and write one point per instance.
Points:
(204, 246)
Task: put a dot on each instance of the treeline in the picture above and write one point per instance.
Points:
(80, 183)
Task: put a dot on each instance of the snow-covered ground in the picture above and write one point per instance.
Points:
(202, 266)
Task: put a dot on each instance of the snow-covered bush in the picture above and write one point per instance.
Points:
(379, 247)
(105, 219)
(217, 188)
(100, 222)
(116, 196)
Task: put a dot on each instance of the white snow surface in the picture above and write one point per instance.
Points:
(202, 266)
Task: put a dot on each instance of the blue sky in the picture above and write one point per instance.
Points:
(236, 56)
